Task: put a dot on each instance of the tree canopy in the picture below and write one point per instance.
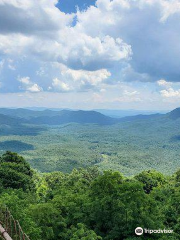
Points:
(87, 204)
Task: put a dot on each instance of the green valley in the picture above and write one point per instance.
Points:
(130, 146)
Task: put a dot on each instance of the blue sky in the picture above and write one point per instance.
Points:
(69, 6)
(113, 54)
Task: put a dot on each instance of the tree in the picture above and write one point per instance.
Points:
(48, 219)
(118, 206)
(177, 174)
(80, 232)
(151, 179)
(15, 172)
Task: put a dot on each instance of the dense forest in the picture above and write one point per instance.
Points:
(88, 204)
(129, 147)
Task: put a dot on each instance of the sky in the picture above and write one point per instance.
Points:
(110, 54)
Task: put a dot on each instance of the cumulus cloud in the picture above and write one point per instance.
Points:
(60, 85)
(150, 27)
(35, 17)
(84, 52)
(163, 82)
(115, 40)
(170, 93)
(78, 80)
(28, 85)
(34, 88)
(25, 80)
(171, 89)
(93, 78)
(38, 28)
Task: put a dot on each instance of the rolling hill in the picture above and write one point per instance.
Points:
(58, 117)
(64, 140)
(175, 114)
(51, 117)
(27, 113)
(81, 117)
(7, 120)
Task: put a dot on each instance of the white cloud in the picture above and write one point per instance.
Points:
(87, 52)
(34, 88)
(132, 93)
(84, 52)
(15, 45)
(60, 85)
(170, 93)
(38, 28)
(150, 27)
(111, 5)
(163, 82)
(169, 8)
(171, 89)
(36, 17)
(93, 78)
(115, 40)
(78, 80)
(28, 85)
(25, 80)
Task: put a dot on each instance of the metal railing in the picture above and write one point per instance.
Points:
(10, 228)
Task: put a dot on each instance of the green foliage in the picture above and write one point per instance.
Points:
(12, 145)
(48, 220)
(116, 203)
(15, 172)
(90, 205)
(82, 233)
(178, 176)
(151, 179)
(128, 147)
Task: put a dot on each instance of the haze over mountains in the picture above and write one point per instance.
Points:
(55, 117)
(8, 120)
(127, 113)
(50, 117)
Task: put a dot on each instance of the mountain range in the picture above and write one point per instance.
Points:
(130, 144)
(54, 117)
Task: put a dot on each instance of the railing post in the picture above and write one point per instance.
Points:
(4, 233)
(9, 227)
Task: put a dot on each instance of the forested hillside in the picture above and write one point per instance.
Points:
(134, 144)
(50, 117)
(88, 204)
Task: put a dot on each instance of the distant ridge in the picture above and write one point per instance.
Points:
(54, 117)
(51, 117)
(7, 120)
(140, 117)
(127, 113)
(27, 113)
(174, 114)
(82, 117)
